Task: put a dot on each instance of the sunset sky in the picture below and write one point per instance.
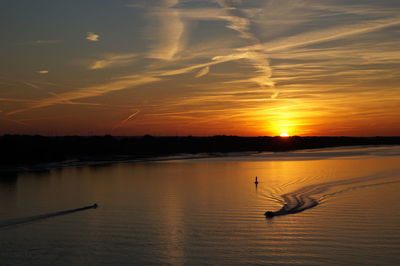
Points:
(200, 67)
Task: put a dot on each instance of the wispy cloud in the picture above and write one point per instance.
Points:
(204, 71)
(42, 72)
(238, 22)
(112, 60)
(256, 53)
(319, 36)
(89, 92)
(42, 42)
(257, 59)
(285, 63)
(14, 121)
(93, 37)
(167, 30)
(4, 99)
(275, 95)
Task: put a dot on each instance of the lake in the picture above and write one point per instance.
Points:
(209, 211)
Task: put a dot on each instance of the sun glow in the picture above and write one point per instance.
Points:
(284, 134)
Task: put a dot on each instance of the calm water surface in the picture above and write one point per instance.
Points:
(209, 211)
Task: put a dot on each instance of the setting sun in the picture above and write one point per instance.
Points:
(284, 134)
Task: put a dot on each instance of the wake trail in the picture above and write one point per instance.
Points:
(301, 199)
(13, 222)
(324, 197)
(273, 193)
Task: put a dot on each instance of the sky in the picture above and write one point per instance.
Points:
(200, 67)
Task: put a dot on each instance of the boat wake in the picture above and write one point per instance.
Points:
(304, 198)
(12, 222)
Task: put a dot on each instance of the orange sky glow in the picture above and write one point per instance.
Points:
(200, 67)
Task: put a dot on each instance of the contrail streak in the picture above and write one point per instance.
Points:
(129, 117)
(120, 124)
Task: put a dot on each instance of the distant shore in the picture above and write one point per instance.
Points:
(21, 152)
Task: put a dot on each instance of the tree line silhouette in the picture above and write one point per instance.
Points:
(28, 149)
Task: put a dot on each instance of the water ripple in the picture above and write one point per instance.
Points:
(301, 199)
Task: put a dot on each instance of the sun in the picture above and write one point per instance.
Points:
(284, 134)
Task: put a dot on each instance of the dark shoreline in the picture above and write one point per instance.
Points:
(23, 152)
